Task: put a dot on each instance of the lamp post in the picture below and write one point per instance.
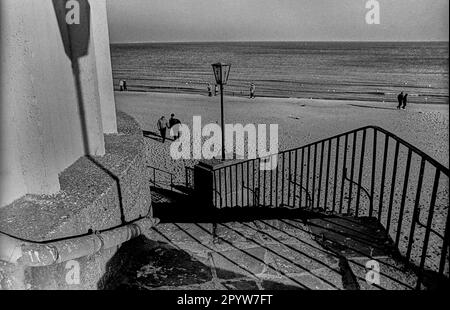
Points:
(221, 73)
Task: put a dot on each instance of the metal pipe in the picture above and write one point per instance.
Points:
(38, 254)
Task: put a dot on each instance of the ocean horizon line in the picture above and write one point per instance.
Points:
(278, 41)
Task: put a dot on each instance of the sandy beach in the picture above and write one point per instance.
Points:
(300, 121)
(303, 121)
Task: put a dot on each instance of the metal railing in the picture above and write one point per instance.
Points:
(189, 177)
(366, 172)
(161, 178)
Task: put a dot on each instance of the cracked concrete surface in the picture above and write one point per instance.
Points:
(280, 254)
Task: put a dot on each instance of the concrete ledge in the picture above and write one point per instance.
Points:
(97, 193)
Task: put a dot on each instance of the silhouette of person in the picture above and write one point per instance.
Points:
(252, 91)
(125, 85)
(400, 100)
(405, 101)
(121, 85)
(175, 124)
(209, 90)
(162, 127)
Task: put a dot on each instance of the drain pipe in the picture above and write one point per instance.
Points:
(35, 254)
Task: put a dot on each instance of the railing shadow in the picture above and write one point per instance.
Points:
(339, 237)
(143, 264)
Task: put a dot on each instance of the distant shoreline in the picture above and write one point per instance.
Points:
(301, 121)
(191, 91)
(338, 70)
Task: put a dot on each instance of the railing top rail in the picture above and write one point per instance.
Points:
(419, 152)
(160, 170)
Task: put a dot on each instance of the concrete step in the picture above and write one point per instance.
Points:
(295, 253)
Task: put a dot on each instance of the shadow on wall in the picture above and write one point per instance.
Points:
(76, 40)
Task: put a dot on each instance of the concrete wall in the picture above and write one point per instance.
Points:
(104, 71)
(55, 101)
(91, 200)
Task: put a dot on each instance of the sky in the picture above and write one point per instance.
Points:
(275, 20)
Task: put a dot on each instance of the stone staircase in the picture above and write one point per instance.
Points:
(291, 250)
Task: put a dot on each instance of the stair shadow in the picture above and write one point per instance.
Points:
(143, 264)
(337, 232)
(346, 236)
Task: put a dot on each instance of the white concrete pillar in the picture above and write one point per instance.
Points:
(27, 146)
(100, 35)
(42, 96)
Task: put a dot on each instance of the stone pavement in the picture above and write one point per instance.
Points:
(282, 254)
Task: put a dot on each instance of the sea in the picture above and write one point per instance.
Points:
(363, 71)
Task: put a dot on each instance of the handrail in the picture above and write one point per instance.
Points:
(419, 152)
(163, 171)
(160, 170)
(430, 159)
(324, 185)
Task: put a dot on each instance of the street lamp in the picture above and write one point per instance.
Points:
(221, 73)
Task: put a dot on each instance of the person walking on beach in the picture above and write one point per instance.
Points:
(209, 90)
(174, 125)
(252, 91)
(216, 90)
(405, 101)
(162, 127)
(400, 100)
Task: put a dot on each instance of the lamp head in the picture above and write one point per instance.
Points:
(221, 72)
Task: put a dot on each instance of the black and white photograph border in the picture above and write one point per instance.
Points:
(208, 145)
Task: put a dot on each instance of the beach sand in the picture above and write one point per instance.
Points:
(301, 121)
